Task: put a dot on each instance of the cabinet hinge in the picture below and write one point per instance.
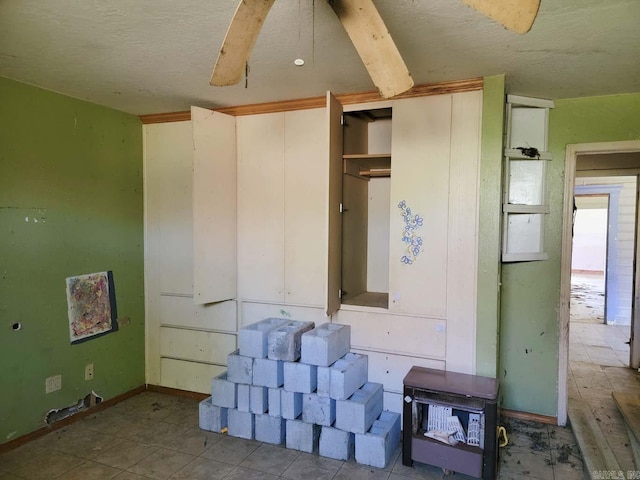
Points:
(341, 119)
(339, 293)
(341, 208)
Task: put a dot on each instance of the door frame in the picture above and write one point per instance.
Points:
(571, 154)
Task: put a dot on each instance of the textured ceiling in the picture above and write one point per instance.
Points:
(152, 56)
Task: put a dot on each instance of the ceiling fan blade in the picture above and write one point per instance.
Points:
(516, 15)
(239, 40)
(374, 44)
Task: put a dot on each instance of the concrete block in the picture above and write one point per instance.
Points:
(270, 429)
(302, 436)
(212, 417)
(377, 446)
(239, 368)
(275, 409)
(318, 409)
(300, 377)
(244, 398)
(290, 404)
(241, 424)
(358, 413)
(253, 339)
(325, 344)
(258, 399)
(223, 392)
(340, 380)
(336, 443)
(268, 373)
(285, 342)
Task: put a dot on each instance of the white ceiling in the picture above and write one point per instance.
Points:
(153, 56)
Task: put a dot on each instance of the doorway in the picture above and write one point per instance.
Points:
(599, 159)
(602, 269)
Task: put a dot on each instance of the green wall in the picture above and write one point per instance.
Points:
(70, 204)
(489, 233)
(530, 296)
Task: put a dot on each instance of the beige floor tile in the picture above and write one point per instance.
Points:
(418, 471)
(194, 441)
(14, 459)
(161, 464)
(91, 471)
(160, 434)
(270, 459)
(49, 465)
(354, 471)
(231, 450)
(130, 476)
(86, 444)
(312, 467)
(203, 469)
(242, 473)
(524, 464)
(125, 454)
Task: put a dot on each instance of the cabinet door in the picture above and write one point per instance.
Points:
(261, 207)
(420, 151)
(334, 272)
(214, 206)
(305, 207)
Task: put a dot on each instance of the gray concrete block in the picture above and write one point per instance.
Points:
(270, 429)
(325, 344)
(244, 398)
(241, 424)
(253, 339)
(336, 443)
(302, 436)
(258, 399)
(285, 342)
(318, 409)
(300, 377)
(211, 417)
(358, 413)
(377, 446)
(223, 392)
(340, 380)
(323, 386)
(290, 404)
(275, 408)
(268, 373)
(239, 368)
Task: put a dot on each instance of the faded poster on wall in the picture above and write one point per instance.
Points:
(92, 306)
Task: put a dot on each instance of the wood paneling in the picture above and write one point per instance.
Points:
(191, 376)
(182, 312)
(306, 191)
(214, 206)
(421, 146)
(261, 207)
(195, 345)
(468, 85)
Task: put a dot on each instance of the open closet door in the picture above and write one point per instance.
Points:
(214, 206)
(334, 129)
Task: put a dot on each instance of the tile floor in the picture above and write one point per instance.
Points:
(598, 364)
(153, 435)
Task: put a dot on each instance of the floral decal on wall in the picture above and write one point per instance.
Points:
(412, 224)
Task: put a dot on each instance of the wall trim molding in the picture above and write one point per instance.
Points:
(458, 86)
(529, 417)
(17, 442)
(176, 392)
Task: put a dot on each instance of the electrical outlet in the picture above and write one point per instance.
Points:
(53, 384)
(88, 371)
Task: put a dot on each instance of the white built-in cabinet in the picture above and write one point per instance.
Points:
(279, 228)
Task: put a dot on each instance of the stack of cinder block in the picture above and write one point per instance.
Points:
(295, 384)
